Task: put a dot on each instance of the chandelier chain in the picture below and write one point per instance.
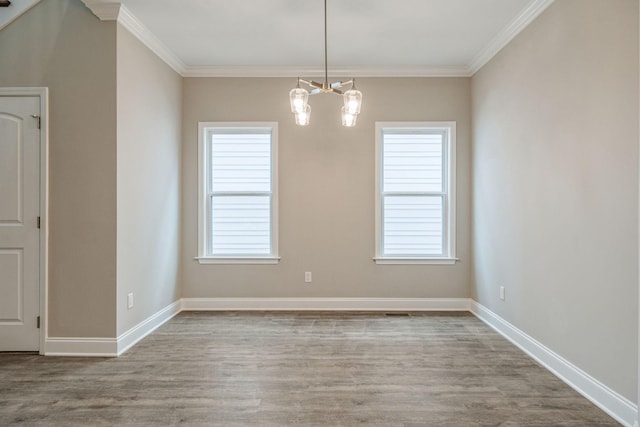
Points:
(326, 67)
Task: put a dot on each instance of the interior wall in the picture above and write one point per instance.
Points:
(60, 44)
(555, 186)
(149, 117)
(326, 189)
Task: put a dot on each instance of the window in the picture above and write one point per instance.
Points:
(237, 204)
(415, 193)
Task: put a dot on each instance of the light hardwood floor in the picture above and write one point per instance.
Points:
(316, 369)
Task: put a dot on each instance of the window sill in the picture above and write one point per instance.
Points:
(236, 260)
(442, 261)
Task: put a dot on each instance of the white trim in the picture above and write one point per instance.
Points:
(234, 260)
(202, 189)
(44, 215)
(110, 347)
(114, 11)
(435, 261)
(128, 339)
(638, 260)
(519, 23)
(81, 347)
(617, 406)
(450, 219)
(452, 191)
(17, 10)
(203, 170)
(142, 33)
(104, 10)
(292, 71)
(43, 94)
(325, 304)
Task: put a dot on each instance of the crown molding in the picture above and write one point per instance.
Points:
(292, 71)
(105, 10)
(16, 11)
(142, 33)
(108, 10)
(113, 11)
(519, 23)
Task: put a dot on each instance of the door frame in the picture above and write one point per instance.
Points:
(43, 94)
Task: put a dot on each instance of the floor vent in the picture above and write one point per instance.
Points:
(397, 313)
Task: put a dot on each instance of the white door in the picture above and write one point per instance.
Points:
(19, 233)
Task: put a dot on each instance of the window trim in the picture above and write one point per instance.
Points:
(203, 196)
(449, 127)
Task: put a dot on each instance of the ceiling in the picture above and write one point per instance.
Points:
(362, 34)
(286, 37)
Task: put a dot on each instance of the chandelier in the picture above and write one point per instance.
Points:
(299, 96)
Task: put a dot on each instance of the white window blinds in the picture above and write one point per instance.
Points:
(412, 193)
(240, 197)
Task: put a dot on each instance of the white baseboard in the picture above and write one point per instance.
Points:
(144, 328)
(81, 347)
(617, 406)
(110, 347)
(325, 304)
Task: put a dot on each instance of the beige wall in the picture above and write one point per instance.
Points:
(555, 182)
(326, 200)
(148, 175)
(60, 44)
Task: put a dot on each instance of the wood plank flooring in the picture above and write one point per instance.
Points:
(311, 369)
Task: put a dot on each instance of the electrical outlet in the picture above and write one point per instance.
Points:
(130, 300)
(502, 293)
(307, 277)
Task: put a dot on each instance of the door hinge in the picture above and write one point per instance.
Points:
(37, 117)
(38, 322)
(38, 222)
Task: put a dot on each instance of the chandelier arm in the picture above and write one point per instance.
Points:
(341, 84)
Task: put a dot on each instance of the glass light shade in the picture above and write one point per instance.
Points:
(298, 98)
(348, 119)
(352, 101)
(302, 117)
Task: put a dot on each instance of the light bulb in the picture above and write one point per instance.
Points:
(352, 101)
(348, 119)
(302, 117)
(298, 98)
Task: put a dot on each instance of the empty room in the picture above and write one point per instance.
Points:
(319, 212)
